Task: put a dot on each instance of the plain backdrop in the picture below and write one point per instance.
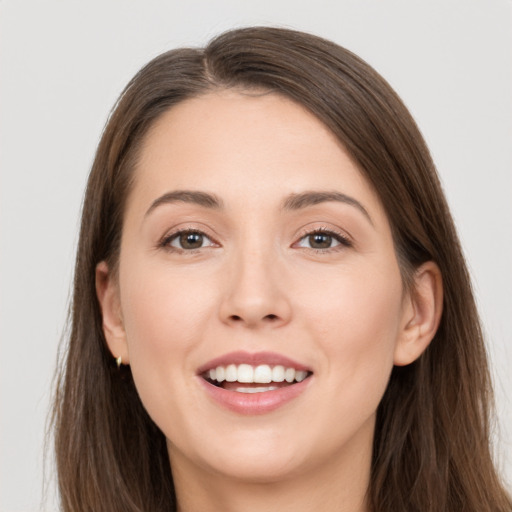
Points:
(62, 66)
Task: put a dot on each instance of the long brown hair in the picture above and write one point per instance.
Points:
(431, 448)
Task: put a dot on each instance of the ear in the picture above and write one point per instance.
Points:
(107, 292)
(421, 314)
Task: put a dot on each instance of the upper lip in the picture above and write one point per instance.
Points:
(254, 359)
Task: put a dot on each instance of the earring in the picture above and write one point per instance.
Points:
(119, 361)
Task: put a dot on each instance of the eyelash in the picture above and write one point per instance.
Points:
(342, 239)
(166, 241)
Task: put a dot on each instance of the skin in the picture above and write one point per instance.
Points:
(257, 284)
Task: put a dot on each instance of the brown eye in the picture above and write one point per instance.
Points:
(188, 240)
(324, 241)
(191, 240)
(320, 241)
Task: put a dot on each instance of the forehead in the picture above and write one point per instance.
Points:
(232, 143)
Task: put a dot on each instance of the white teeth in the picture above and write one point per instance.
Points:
(289, 375)
(300, 375)
(245, 373)
(255, 390)
(261, 374)
(221, 373)
(278, 373)
(231, 373)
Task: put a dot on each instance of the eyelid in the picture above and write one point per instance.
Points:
(177, 235)
(174, 233)
(345, 240)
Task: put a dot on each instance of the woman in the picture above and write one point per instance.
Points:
(271, 308)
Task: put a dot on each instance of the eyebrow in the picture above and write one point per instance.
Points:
(311, 198)
(197, 197)
(291, 203)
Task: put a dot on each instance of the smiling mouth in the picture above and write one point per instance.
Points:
(246, 378)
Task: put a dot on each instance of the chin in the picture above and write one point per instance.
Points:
(257, 456)
(261, 468)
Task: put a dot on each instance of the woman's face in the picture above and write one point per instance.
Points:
(253, 247)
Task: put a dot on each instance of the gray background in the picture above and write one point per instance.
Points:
(62, 65)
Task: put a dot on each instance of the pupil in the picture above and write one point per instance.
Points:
(319, 241)
(191, 240)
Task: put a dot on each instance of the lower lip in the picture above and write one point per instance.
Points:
(254, 403)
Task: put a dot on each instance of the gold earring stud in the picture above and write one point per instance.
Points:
(119, 361)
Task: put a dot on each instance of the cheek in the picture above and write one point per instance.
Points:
(356, 323)
(355, 303)
(165, 315)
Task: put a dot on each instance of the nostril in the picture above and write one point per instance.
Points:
(270, 317)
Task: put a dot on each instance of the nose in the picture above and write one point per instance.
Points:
(254, 294)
